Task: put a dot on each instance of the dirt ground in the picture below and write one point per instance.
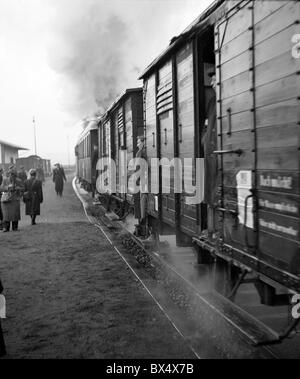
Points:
(69, 294)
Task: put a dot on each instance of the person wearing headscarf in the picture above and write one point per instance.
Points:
(2, 344)
(11, 189)
(22, 174)
(33, 196)
(58, 178)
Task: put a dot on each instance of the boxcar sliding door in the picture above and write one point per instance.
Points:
(164, 101)
(128, 123)
(186, 133)
(152, 139)
(118, 125)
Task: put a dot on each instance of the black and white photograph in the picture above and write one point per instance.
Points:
(149, 182)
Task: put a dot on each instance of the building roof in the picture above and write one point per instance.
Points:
(12, 145)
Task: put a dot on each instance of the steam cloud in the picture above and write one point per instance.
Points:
(100, 47)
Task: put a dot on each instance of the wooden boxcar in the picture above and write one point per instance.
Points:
(118, 132)
(86, 152)
(251, 45)
(34, 161)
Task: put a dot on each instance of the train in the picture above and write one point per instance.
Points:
(34, 161)
(247, 224)
(86, 152)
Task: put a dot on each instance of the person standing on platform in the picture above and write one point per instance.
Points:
(12, 189)
(22, 174)
(58, 178)
(33, 196)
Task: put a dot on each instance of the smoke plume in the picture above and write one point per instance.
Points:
(99, 47)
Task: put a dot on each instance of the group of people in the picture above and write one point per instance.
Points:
(15, 186)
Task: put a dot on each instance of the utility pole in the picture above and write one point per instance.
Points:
(34, 131)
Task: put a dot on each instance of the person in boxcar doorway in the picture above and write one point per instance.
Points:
(209, 140)
(33, 196)
(1, 215)
(12, 189)
(58, 178)
(22, 174)
(2, 344)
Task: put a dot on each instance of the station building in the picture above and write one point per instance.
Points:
(8, 154)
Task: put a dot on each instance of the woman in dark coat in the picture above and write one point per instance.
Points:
(33, 196)
(58, 178)
(12, 189)
(2, 344)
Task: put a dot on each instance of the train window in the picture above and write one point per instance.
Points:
(122, 139)
(164, 115)
(164, 98)
(121, 129)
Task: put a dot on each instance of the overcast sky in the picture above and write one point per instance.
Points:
(62, 60)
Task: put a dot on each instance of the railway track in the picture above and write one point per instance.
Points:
(233, 331)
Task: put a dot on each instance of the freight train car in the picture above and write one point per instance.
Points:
(86, 152)
(249, 221)
(47, 167)
(34, 161)
(118, 132)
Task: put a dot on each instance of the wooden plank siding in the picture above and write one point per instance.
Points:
(164, 106)
(129, 130)
(151, 137)
(135, 127)
(259, 82)
(107, 139)
(124, 122)
(278, 135)
(186, 132)
(234, 95)
(115, 130)
(235, 104)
